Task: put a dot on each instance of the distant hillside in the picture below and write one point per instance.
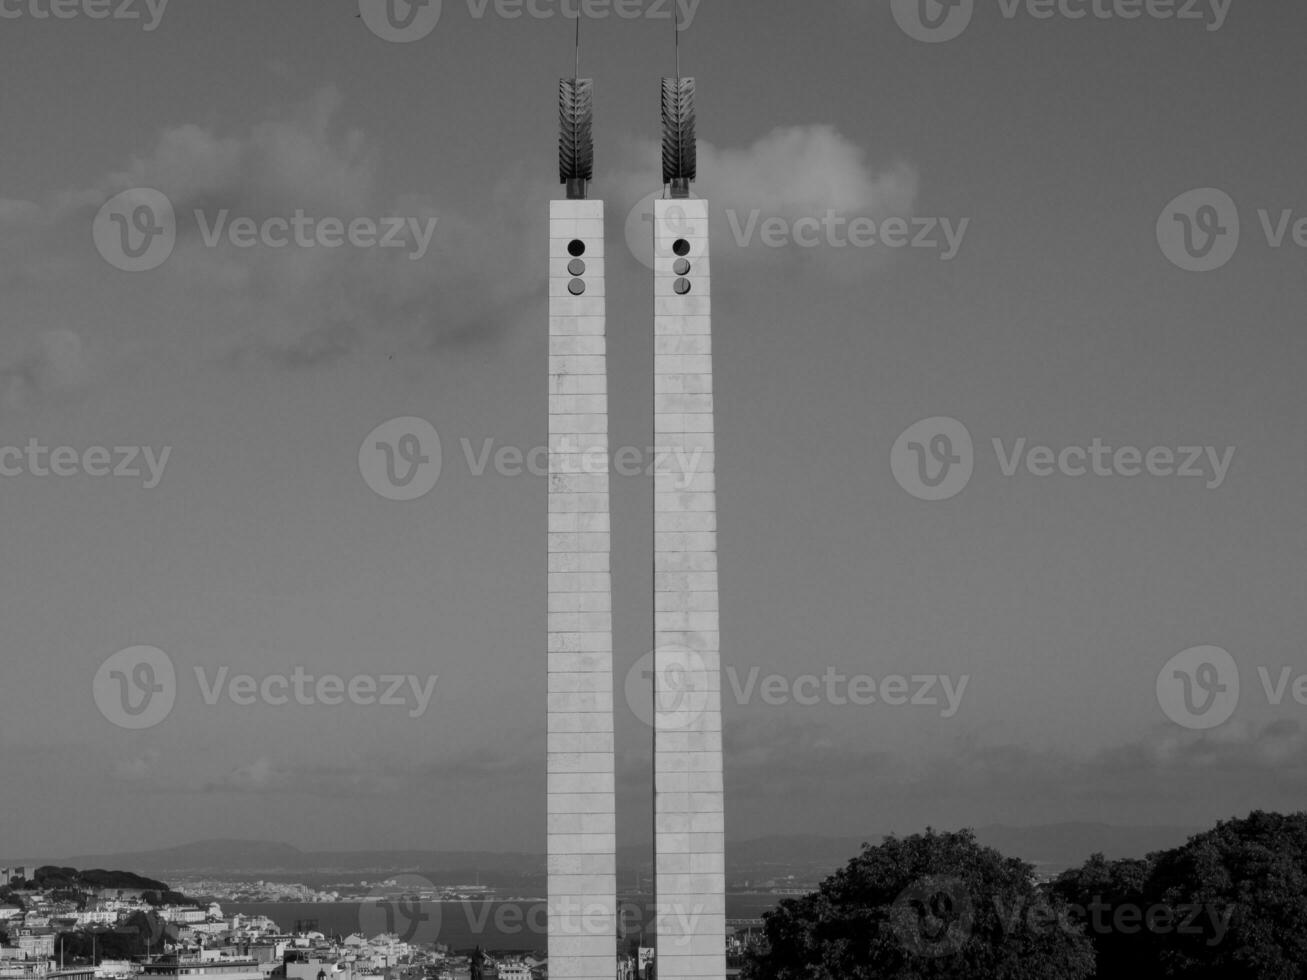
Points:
(54, 877)
(1061, 845)
(274, 857)
(1071, 843)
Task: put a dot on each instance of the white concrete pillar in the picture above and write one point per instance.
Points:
(582, 841)
(689, 854)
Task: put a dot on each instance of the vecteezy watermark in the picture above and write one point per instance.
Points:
(672, 687)
(401, 21)
(937, 21)
(119, 462)
(685, 683)
(639, 230)
(414, 909)
(836, 230)
(403, 459)
(407, 906)
(405, 21)
(934, 459)
(136, 231)
(1201, 230)
(831, 229)
(933, 917)
(137, 688)
(148, 12)
(1100, 917)
(1199, 688)
(835, 688)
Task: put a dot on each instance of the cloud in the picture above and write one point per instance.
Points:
(480, 280)
(52, 364)
(138, 769)
(791, 173)
(779, 768)
(301, 306)
(806, 170)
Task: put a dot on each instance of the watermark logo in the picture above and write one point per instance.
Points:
(363, 690)
(831, 229)
(863, 690)
(641, 236)
(406, 906)
(933, 21)
(1199, 688)
(148, 12)
(840, 231)
(136, 231)
(121, 462)
(401, 21)
(933, 917)
(1103, 918)
(136, 688)
(936, 21)
(1199, 231)
(933, 459)
(405, 21)
(687, 686)
(401, 459)
(669, 688)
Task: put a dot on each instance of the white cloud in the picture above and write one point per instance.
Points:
(53, 363)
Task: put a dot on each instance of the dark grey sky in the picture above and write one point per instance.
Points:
(1059, 320)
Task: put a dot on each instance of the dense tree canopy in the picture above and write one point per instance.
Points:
(140, 934)
(1230, 904)
(927, 906)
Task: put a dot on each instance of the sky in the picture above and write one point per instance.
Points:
(1054, 148)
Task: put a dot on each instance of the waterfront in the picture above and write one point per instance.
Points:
(498, 925)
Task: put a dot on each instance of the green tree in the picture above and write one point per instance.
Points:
(922, 907)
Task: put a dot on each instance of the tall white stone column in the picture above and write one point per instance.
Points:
(582, 841)
(689, 860)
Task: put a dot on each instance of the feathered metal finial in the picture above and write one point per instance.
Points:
(680, 146)
(576, 128)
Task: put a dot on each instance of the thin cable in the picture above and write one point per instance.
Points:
(676, 28)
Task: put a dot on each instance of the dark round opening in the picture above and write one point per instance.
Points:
(576, 247)
(576, 267)
(681, 247)
(682, 286)
(681, 267)
(576, 287)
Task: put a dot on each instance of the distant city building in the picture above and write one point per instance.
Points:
(207, 965)
(36, 944)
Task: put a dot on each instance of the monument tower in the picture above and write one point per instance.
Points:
(689, 867)
(582, 841)
(689, 862)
